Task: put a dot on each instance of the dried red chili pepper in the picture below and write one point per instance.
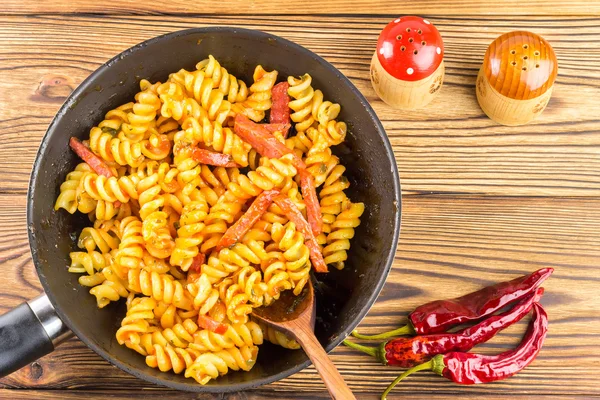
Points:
(206, 322)
(280, 110)
(283, 128)
(263, 141)
(291, 211)
(213, 158)
(470, 368)
(408, 352)
(440, 315)
(237, 231)
(96, 163)
(313, 208)
(197, 262)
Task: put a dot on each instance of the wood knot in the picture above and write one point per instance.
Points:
(540, 106)
(436, 85)
(36, 371)
(480, 86)
(53, 88)
(374, 76)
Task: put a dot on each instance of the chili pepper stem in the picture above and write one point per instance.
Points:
(404, 330)
(436, 364)
(372, 351)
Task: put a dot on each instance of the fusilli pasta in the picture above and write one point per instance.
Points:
(162, 214)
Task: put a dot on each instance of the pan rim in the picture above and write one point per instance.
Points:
(193, 387)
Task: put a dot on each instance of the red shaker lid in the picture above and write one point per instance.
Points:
(410, 48)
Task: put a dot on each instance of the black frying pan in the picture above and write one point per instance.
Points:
(343, 297)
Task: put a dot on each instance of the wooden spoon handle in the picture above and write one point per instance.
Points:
(331, 377)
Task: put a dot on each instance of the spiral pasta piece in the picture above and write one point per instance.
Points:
(338, 241)
(260, 232)
(272, 173)
(189, 234)
(113, 149)
(229, 260)
(333, 200)
(241, 292)
(104, 236)
(277, 337)
(155, 230)
(323, 111)
(179, 336)
(333, 131)
(87, 262)
(114, 119)
(112, 288)
(71, 197)
(166, 315)
(221, 215)
(215, 136)
(132, 245)
(302, 92)
(143, 114)
(167, 358)
(237, 335)
(161, 287)
(260, 98)
(157, 235)
(176, 105)
(235, 89)
(204, 295)
(213, 364)
(112, 189)
(136, 323)
(157, 147)
(195, 85)
(276, 279)
(295, 252)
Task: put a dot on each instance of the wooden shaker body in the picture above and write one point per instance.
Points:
(405, 94)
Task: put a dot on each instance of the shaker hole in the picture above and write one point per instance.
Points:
(513, 52)
(525, 46)
(513, 63)
(416, 52)
(407, 29)
(411, 40)
(537, 65)
(419, 31)
(524, 68)
(423, 43)
(399, 37)
(525, 57)
(536, 53)
(402, 48)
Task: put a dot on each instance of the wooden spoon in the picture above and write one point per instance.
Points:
(295, 315)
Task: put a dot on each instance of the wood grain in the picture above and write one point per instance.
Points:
(299, 323)
(448, 246)
(170, 394)
(482, 202)
(460, 7)
(451, 147)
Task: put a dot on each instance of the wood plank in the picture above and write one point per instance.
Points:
(251, 395)
(448, 246)
(442, 149)
(461, 7)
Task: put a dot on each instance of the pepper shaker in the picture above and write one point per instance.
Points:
(515, 82)
(407, 69)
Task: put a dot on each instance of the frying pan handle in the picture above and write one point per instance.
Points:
(28, 332)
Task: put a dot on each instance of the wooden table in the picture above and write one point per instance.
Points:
(482, 203)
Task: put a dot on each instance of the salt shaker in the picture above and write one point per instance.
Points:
(407, 69)
(515, 82)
